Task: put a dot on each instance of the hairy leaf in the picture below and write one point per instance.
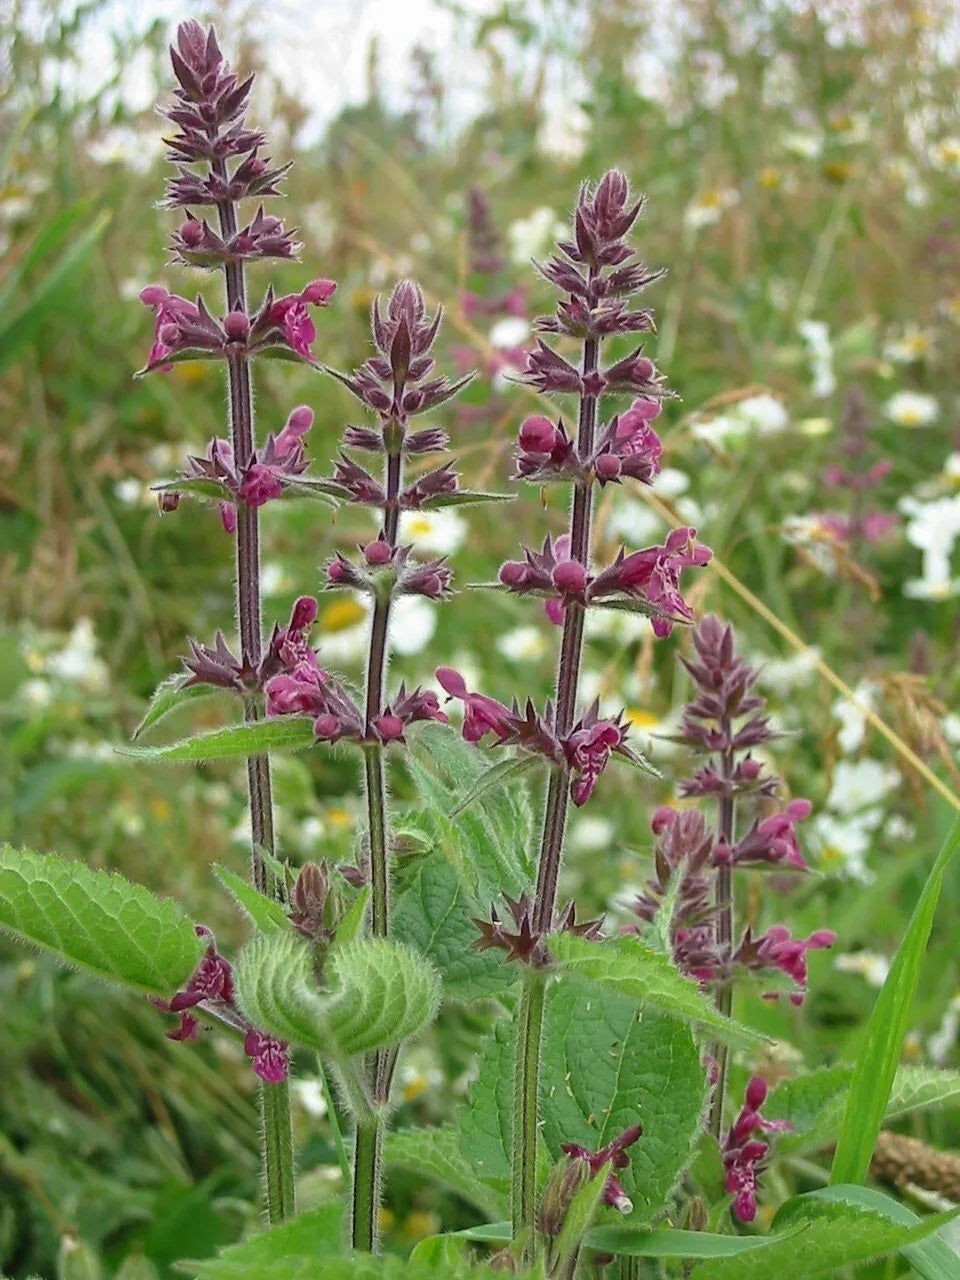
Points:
(817, 1237)
(465, 497)
(603, 1068)
(310, 1234)
(168, 696)
(259, 737)
(434, 912)
(489, 844)
(97, 921)
(931, 1258)
(435, 1153)
(265, 913)
(814, 1103)
(377, 993)
(485, 1124)
(606, 1066)
(627, 966)
(876, 1066)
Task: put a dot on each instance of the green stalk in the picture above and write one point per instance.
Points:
(278, 1151)
(526, 1087)
(366, 1185)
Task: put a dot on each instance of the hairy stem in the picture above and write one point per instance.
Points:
(277, 1133)
(568, 669)
(724, 902)
(369, 1138)
(278, 1151)
(366, 1185)
(530, 1024)
(526, 1083)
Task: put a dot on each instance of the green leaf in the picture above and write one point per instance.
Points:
(435, 1153)
(465, 497)
(285, 733)
(97, 921)
(814, 1103)
(640, 1242)
(196, 487)
(378, 993)
(815, 1236)
(604, 1067)
(877, 1064)
(170, 695)
(932, 1258)
(434, 912)
(582, 1211)
(495, 776)
(627, 966)
(485, 1124)
(265, 913)
(351, 926)
(309, 1235)
(490, 844)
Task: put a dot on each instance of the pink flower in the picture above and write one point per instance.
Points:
(743, 1155)
(777, 950)
(775, 839)
(298, 423)
(481, 714)
(259, 484)
(615, 1154)
(170, 309)
(290, 312)
(655, 574)
(588, 751)
(271, 1057)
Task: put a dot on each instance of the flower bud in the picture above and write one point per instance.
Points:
(607, 466)
(564, 1181)
(378, 552)
(513, 573)
(538, 435)
(308, 898)
(191, 233)
(570, 577)
(236, 325)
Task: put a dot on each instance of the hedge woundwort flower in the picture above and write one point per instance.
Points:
(726, 721)
(599, 276)
(397, 383)
(219, 165)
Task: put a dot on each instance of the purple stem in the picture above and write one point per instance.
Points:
(247, 556)
(369, 1137)
(724, 902)
(568, 670)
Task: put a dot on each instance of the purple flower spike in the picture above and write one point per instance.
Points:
(743, 1155)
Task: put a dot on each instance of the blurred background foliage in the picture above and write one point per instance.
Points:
(801, 162)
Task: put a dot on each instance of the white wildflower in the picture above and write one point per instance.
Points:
(523, 644)
(710, 207)
(857, 784)
(440, 532)
(869, 965)
(534, 235)
(912, 409)
(816, 334)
